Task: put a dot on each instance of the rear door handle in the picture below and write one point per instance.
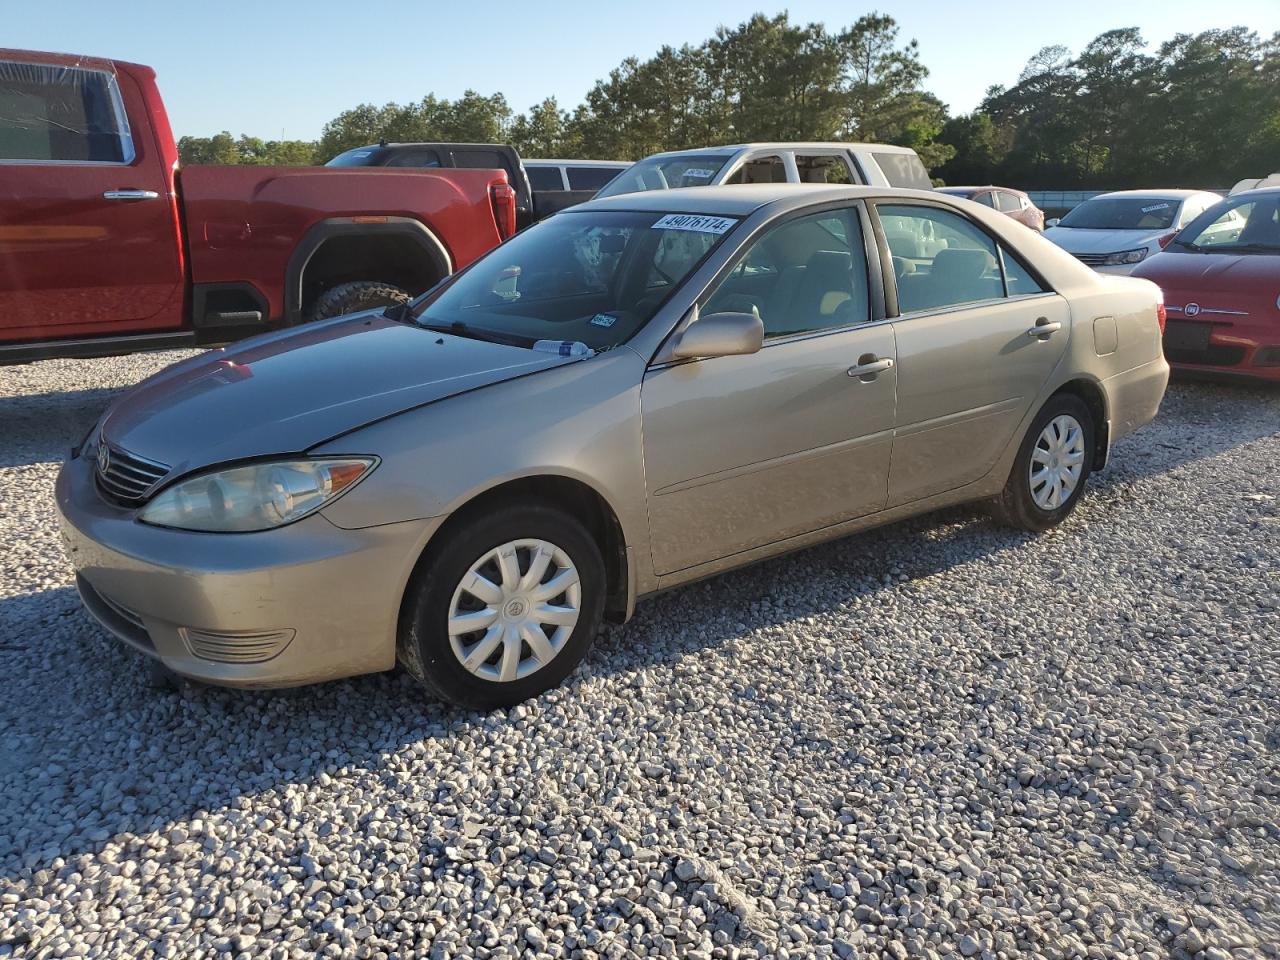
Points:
(1044, 326)
(868, 366)
(131, 195)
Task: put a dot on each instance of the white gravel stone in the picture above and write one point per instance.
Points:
(941, 739)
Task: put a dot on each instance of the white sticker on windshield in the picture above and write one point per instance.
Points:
(1155, 206)
(603, 320)
(700, 173)
(694, 222)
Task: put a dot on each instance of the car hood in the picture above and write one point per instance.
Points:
(1236, 273)
(1100, 241)
(287, 392)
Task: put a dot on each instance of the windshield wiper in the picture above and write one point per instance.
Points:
(1193, 247)
(460, 329)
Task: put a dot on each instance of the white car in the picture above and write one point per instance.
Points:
(1114, 232)
(874, 164)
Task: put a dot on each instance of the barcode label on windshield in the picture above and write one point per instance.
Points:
(698, 224)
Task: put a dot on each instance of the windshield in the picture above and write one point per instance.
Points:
(595, 277)
(1124, 213)
(1242, 225)
(664, 173)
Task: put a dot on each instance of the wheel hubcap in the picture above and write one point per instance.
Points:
(514, 610)
(1057, 462)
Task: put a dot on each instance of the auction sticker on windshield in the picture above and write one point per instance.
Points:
(698, 224)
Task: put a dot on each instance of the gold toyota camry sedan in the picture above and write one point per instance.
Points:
(637, 392)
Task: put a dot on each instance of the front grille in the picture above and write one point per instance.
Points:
(236, 647)
(1215, 355)
(125, 476)
(1092, 259)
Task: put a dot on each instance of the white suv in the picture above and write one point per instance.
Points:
(875, 164)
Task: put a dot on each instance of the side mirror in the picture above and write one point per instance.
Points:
(720, 335)
(1052, 222)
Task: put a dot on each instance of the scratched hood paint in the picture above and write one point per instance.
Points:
(286, 392)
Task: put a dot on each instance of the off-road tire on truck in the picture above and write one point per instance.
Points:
(354, 297)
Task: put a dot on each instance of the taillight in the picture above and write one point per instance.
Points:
(503, 197)
(1161, 316)
(1167, 239)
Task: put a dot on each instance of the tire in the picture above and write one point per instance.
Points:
(354, 297)
(437, 591)
(1023, 503)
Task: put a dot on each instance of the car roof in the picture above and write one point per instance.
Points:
(620, 164)
(741, 200)
(1155, 194)
(732, 148)
(989, 186)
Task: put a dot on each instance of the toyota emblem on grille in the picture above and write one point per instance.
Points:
(1191, 310)
(104, 457)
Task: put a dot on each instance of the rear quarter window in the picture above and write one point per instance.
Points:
(903, 170)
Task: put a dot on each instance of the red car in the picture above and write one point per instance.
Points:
(107, 247)
(1013, 203)
(1221, 281)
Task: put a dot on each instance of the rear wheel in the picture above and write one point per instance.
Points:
(1051, 468)
(354, 297)
(504, 607)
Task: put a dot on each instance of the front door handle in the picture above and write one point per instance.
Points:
(1044, 326)
(869, 366)
(131, 195)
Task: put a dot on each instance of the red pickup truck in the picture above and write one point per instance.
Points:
(107, 247)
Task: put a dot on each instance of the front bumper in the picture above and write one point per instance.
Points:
(300, 604)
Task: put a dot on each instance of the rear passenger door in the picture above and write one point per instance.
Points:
(970, 362)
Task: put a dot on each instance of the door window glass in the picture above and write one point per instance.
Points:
(823, 169)
(53, 113)
(590, 178)
(903, 170)
(760, 170)
(985, 198)
(544, 178)
(941, 259)
(1008, 202)
(805, 274)
(480, 160)
(414, 158)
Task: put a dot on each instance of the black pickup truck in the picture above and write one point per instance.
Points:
(534, 200)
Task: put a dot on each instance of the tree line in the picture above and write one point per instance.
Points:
(1199, 110)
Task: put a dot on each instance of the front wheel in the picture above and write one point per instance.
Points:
(504, 608)
(1051, 468)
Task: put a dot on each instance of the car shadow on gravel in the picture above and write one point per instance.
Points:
(63, 790)
(40, 428)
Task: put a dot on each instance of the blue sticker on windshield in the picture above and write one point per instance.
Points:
(603, 320)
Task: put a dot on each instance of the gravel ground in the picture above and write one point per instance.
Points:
(937, 739)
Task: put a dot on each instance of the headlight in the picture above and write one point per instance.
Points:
(255, 497)
(1126, 256)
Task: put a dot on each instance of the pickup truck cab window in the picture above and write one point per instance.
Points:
(414, 158)
(55, 114)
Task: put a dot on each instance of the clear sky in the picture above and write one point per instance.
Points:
(283, 67)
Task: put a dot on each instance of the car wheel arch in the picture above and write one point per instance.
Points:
(428, 259)
(1093, 396)
(573, 496)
